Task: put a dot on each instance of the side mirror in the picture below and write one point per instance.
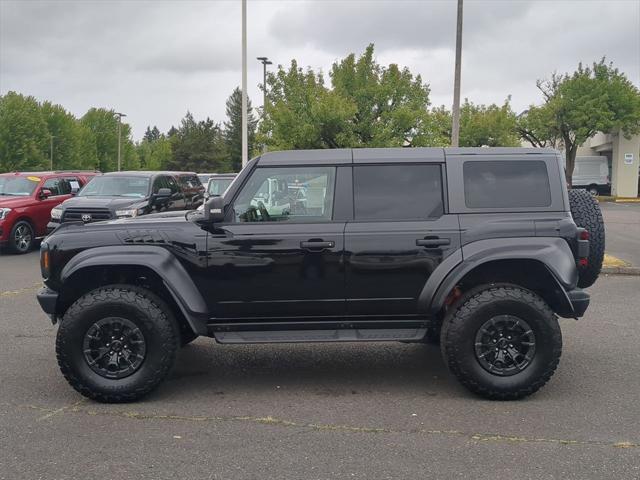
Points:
(163, 193)
(74, 191)
(214, 209)
(45, 193)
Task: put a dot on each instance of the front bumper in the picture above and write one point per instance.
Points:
(48, 299)
(579, 300)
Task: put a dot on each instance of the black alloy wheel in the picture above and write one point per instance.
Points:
(114, 347)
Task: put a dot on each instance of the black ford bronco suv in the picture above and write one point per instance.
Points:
(478, 249)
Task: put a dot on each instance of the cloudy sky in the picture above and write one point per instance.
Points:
(156, 59)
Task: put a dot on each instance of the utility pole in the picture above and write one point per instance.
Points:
(245, 134)
(51, 137)
(119, 115)
(455, 127)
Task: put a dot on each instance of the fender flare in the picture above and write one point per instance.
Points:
(552, 252)
(159, 260)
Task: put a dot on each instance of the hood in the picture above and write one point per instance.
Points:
(15, 202)
(112, 203)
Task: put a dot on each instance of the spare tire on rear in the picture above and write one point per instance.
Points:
(586, 214)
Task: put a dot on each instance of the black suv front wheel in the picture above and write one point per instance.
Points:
(502, 342)
(117, 343)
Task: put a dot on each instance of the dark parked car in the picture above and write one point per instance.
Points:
(26, 200)
(406, 244)
(130, 194)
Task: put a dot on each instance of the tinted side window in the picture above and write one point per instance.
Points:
(397, 192)
(506, 184)
(173, 185)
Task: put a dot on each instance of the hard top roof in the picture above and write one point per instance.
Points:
(386, 155)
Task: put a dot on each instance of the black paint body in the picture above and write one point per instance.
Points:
(230, 275)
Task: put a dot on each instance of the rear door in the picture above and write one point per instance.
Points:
(400, 233)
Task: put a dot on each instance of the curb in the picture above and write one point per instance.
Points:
(635, 271)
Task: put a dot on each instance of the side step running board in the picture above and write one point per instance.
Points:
(332, 335)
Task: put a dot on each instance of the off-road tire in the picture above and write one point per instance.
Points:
(14, 245)
(148, 312)
(586, 214)
(461, 325)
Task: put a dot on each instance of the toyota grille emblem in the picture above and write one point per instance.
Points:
(86, 217)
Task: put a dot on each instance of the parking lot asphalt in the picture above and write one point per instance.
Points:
(622, 229)
(323, 411)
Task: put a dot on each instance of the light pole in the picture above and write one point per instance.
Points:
(455, 127)
(245, 133)
(51, 137)
(119, 115)
(265, 61)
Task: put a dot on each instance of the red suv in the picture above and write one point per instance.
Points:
(26, 200)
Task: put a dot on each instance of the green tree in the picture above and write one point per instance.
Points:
(103, 125)
(369, 105)
(576, 106)
(24, 136)
(198, 146)
(233, 129)
(155, 154)
(391, 104)
(73, 144)
(152, 134)
(302, 113)
(491, 126)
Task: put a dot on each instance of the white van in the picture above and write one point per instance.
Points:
(592, 174)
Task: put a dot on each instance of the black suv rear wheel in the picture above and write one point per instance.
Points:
(502, 342)
(117, 343)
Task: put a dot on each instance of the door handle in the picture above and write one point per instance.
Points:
(433, 242)
(316, 245)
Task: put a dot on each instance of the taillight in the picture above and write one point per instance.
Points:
(584, 235)
(583, 262)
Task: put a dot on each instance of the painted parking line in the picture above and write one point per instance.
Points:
(8, 293)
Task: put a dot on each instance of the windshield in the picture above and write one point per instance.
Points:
(217, 186)
(116, 187)
(18, 186)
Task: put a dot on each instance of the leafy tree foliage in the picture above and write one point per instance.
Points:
(73, 146)
(491, 126)
(233, 129)
(198, 146)
(369, 105)
(576, 106)
(103, 125)
(302, 113)
(155, 154)
(152, 134)
(24, 138)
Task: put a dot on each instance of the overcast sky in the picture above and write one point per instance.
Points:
(156, 59)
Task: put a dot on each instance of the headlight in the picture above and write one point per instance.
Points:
(131, 212)
(56, 214)
(4, 212)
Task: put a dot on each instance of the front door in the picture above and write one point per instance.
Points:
(281, 256)
(399, 235)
